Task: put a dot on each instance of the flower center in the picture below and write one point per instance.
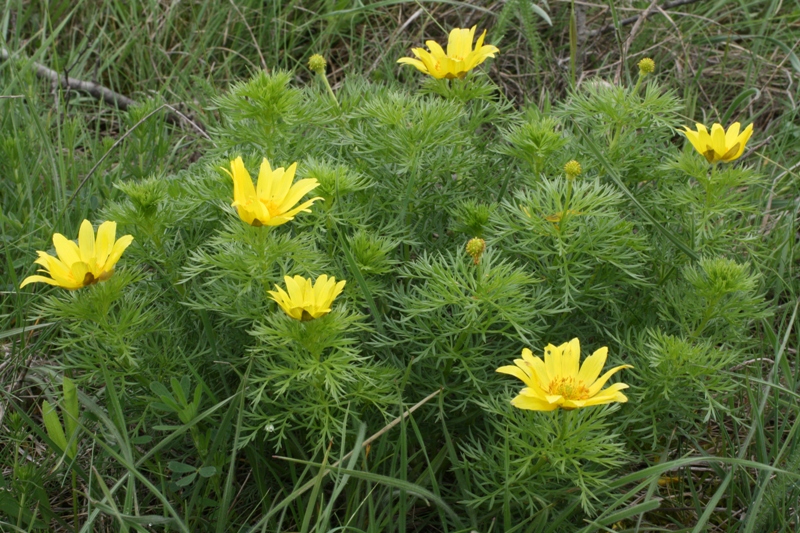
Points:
(569, 388)
(272, 207)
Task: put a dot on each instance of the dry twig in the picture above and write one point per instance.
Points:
(100, 92)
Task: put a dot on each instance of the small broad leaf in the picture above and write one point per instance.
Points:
(184, 481)
(181, 468)
(207, 471)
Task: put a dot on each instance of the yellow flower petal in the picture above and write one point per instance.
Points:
(731, 136)
(593, 365)
(532, 403)
(264, 186)
(552, 360)
(518, 373)
(431, 63)
(289, 215)
(86, 242)
(570, 362)
(297, 191)
(79, 272)
(742, 140)
(415, 62)
(436, 51)
(66, 250)
(116, 251)
(694, 138)
(37, 279)
(611, 394)
(243, 190)
(718, 140)
(597, 385)
(282, 182)
(106, 234)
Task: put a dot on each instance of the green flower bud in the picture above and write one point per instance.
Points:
(572, 169)
(475, 248)
(647, 66)
(317, 63)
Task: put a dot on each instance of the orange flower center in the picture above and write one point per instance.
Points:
(569, 388)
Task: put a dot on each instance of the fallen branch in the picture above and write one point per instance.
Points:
(631, 20)
(93, 89)
(99, 92)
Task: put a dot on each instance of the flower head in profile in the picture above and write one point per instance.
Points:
(85, 263)
(719, 145)
(459, 59)
(272, 201)
(560, 381)
(305, 301)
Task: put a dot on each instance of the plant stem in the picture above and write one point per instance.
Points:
(328, 85)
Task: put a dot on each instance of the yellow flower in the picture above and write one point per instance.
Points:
(719, 145)
(85, 263)
(271, 202)
(558, 381)
(305, 301)
(459, 59)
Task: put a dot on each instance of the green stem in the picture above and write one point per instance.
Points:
(615, 138)
(706, 202)
(638, 84)
(709, 312)
(328, 85)
(564, 414)
(21, 507)
(565, 208)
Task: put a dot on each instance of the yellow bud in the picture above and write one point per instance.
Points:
(475, 248)
(317, 63)
(573, 169)
(647, 66)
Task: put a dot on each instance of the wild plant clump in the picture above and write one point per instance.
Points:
(568, 292)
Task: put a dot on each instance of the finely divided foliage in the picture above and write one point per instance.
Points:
(221, 374)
